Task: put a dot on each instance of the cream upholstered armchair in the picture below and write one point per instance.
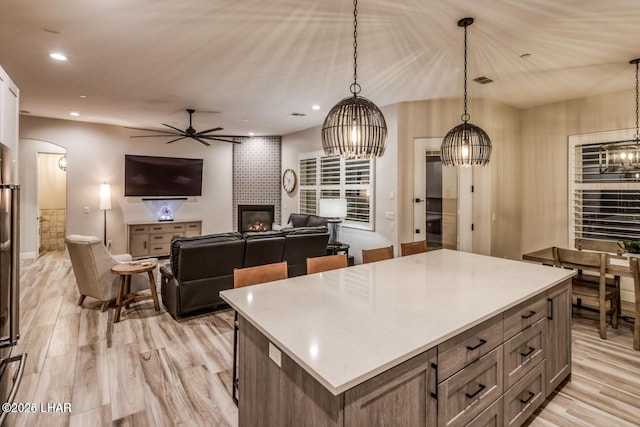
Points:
(92, 267)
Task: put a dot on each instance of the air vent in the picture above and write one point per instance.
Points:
(298, 114)
(483, 80)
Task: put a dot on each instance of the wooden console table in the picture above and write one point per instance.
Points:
(153, 239)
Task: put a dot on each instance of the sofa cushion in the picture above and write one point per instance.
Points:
(306, 230)
(177, 243)
(253, 235)
(316, 221)
(298, 220)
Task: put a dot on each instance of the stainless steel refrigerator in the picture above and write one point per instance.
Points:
(11, 365)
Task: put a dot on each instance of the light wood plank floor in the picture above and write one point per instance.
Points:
(150, 370)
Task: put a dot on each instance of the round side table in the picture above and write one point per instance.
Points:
(125, 297)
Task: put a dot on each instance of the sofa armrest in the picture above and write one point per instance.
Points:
(165, 271)
(122, 258)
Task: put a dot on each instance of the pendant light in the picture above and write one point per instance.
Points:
(623, 156)
(466, 144)
(355, 127)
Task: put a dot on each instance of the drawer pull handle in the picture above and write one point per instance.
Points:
(480, 388)
(434, 393)
(177, 226)
(531, 350)
(528, 399)
(480, 344)
(157, 237)
(531, 313)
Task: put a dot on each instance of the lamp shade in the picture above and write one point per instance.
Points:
(333, 208)
(105, 196)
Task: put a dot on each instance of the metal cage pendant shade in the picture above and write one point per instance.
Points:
(355, 127)
(466, 144)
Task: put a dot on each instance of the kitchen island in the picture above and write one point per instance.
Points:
(441, 338)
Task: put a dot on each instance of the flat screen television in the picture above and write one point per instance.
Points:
(149, 176)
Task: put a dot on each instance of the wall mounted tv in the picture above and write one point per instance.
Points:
(148, 176)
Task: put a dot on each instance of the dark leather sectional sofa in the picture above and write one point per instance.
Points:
(200, 267)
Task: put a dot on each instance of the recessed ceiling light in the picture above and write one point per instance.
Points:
(58, 56)
(251, 133)
(74, 114)
(245, 120)
(83, 96)
(315, 107)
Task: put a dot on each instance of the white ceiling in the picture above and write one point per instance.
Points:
(246, 65)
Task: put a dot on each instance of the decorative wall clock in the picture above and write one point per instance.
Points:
(289, 180)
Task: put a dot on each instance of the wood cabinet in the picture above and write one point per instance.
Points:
(9, 115)
(493, 374)
(404, 395)
(558, 337)
(154, 239)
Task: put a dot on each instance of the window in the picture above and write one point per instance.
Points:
(333, 177)
(602, 205)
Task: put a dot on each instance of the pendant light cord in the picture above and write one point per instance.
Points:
(637, 109)
(465, 117)
(355, 87)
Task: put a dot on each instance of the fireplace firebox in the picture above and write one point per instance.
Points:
(255, 217)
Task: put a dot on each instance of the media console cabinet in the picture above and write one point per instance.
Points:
(153, 239)
(443, 338)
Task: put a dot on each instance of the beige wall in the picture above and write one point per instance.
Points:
(52, 186)
(496, 204)
(95, 154)
(386, 185)
(544, 157)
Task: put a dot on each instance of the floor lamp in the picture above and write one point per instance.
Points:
(105, 203)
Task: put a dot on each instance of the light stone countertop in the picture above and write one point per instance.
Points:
(347, 326)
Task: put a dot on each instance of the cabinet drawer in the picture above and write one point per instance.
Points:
(524, 398)
(524, 315)
(193, 229)
(491, 417)
(159, 249)
(469, 346)
(470, 391)
(138, 229)
(155, 239)
(523, 352)
(166, 228)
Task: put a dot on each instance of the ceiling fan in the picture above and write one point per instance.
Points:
(202, 136)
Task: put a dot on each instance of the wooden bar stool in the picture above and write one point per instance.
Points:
(412, 248)
(246, 277)
(378, 254)
(125, 297)
(326, 263)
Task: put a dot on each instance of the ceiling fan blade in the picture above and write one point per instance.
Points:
(208, 130)
(201, 141)
(156, 130)
(215, 138)
(156, 136)
(174, 128)
(177, 139)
